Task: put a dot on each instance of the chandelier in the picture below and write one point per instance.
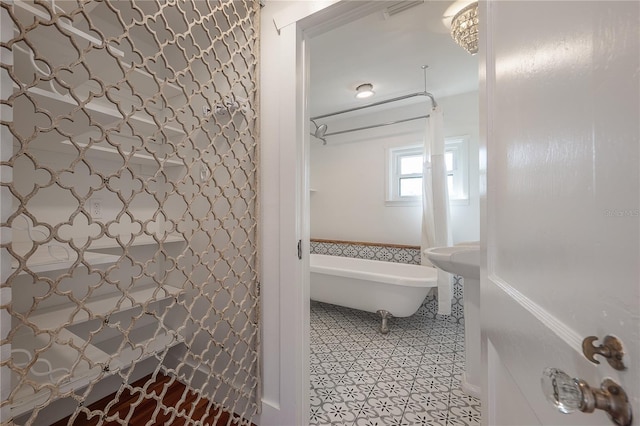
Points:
(464, 28)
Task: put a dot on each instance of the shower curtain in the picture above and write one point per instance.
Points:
(435, 204)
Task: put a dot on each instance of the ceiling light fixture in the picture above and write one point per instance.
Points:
(364, 91)
(464, 28)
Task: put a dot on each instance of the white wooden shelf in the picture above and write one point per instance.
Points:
(106, 115)
(25, 6)
(149, 127)
(100, 360)
(100, 110)
(138, 241)
(145, 119)
(60, 357)
(103, 152)
(139, 158)
(147, 341)
(96, 106)
(51, 318)
(42, 261)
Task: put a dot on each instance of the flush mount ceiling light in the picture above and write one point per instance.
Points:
(364, 91)
(464, 28)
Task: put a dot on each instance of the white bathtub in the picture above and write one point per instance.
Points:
(370, 285)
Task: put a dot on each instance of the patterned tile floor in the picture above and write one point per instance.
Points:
(410, 376)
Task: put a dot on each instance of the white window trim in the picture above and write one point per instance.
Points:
(392, 197)
(458, 144)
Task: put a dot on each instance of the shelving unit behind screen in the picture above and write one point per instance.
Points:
(131, 181)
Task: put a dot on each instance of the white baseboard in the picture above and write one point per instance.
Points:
(470, 389)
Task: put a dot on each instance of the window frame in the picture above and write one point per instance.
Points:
(458, 145)
(392, 192)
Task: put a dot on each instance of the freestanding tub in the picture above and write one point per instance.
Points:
(385, 288)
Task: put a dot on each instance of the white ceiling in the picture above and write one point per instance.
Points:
(388, 52)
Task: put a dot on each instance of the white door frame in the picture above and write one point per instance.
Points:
(284, 200)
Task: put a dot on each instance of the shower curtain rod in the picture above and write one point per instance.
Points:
(399, 98)
(375, 125)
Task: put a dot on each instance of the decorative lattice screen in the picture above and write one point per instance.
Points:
(129, 211)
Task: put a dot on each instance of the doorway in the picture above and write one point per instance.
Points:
(350, 216)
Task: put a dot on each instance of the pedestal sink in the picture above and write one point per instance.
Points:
(464, 259)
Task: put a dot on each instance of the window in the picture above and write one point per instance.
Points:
(404, 177)
(404, 174)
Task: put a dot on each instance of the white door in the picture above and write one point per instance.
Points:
(561, 223)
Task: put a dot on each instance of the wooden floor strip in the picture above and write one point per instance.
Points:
(147, 412)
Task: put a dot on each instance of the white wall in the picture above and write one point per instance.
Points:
(348, 176)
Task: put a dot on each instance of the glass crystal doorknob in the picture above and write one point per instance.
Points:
(561, 390)
(568, 395)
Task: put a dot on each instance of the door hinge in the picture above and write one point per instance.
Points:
(299, 249)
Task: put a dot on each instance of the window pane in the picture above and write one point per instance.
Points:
(411, 187)
(410, 164)
(448, 160)
(450, 185)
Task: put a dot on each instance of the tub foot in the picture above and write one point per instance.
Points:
(384, 327)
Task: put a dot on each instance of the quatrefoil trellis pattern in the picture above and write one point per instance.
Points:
(133, 206)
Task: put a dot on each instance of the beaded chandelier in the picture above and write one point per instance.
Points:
(464, 28)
